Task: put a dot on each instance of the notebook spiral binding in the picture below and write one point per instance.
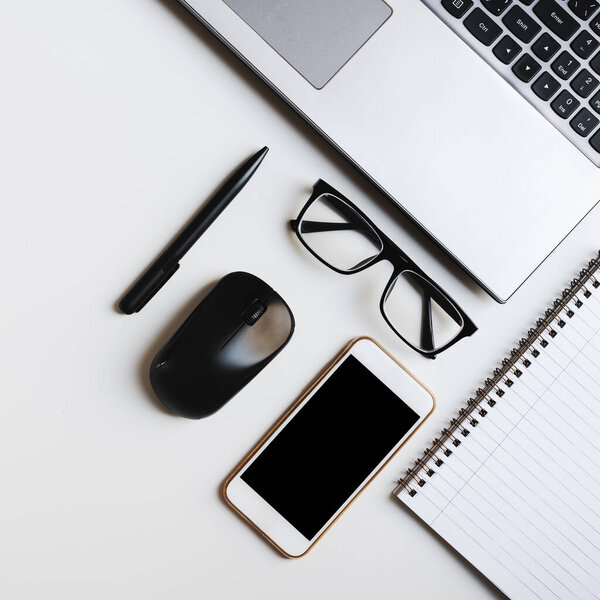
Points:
(546, 328)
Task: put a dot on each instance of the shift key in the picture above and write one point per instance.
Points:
(521, 24)
(556, 18)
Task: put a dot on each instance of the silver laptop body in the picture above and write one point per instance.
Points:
(478, 161)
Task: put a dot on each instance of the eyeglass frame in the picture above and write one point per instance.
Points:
(401, 263)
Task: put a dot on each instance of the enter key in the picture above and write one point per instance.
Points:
(556, 18)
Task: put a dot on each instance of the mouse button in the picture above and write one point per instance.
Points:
(283, 317)
(215, 319)
(226, 305)
(194, 344)
(246, 287)
(194, 323)
(255, 343)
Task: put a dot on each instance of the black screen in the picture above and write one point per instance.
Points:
(330, 446)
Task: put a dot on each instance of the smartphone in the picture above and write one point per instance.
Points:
(327, 448)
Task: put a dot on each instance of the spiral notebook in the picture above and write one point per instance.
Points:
(513, 483)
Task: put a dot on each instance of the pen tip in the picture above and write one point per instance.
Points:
(259, 156)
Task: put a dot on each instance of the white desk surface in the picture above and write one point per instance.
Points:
(117, 120)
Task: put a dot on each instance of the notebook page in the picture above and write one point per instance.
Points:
(520, 496)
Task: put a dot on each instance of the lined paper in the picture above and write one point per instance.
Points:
(520, 496)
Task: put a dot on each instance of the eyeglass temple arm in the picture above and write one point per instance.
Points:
(427, 341)
(441, 297)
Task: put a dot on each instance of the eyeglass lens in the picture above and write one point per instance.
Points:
(422, 314)
(338, 235)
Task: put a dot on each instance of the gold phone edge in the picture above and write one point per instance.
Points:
(268, 434)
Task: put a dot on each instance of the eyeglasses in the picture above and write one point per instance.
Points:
(341, 236)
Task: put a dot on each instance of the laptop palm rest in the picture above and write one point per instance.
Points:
(316, 37)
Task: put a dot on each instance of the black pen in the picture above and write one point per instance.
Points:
(168, 262)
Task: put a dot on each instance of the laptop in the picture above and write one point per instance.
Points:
(480, 119)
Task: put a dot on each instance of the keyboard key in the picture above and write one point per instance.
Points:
(595, 63)
(545, 86)
(595, 26)
(526, 67)
(595, 141)
(556, 19)
(565, 65)
(457, 8)
(595, 102)
(565, 104)
(506, 50)
(583, 122)
(496, 7)
(526, 2)
(482, 27)
(584, 83)
(584, 9)
(521, 24)
(545, 47)
(584, 44)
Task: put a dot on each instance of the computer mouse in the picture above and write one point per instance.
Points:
(234, 333)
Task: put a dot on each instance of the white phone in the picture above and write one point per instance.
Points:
(328, 447)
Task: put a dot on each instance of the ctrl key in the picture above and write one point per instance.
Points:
(565, 104)
(482, 27)
(584, 122)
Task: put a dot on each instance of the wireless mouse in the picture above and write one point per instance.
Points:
(234, 333)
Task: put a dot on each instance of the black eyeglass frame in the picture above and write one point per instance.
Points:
(401, 263)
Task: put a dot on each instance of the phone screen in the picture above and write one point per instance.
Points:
(331, 445)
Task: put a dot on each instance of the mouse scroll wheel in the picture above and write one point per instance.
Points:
(254, 312)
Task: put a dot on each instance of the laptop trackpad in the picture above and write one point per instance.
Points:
(317, 37)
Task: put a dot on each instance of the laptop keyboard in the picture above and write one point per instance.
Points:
(548, 50)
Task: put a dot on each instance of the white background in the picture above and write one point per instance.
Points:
(117, 120)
